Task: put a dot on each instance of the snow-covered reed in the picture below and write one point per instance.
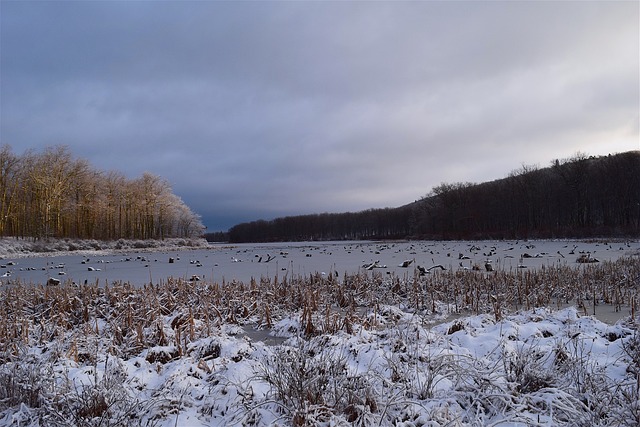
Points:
(362, 349)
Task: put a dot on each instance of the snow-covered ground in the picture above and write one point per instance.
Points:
(454, 347)
(534, 368)
(20, 248)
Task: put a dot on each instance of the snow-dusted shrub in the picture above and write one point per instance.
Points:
(527, 369)
(101, 400)
(40, 246)
(139, 244)
(25, 380)
(587, 382)
(94, 244)
(205, 349)
(628, 413)
(162, 354)
(313, 385)
(631, 347)
(181, 242)
(73, 246)
(418, 366)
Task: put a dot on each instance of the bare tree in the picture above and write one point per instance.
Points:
(9, 169)
(51, 194)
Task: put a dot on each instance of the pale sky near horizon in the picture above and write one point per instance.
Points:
(254, 110)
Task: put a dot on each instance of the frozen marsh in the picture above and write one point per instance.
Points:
(289, 342)
(242, 262)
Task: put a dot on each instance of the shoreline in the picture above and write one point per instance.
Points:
(12, 247)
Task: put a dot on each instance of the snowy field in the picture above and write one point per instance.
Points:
(374, 344)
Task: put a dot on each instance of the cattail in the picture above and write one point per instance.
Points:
(267, 314)
(192, 326)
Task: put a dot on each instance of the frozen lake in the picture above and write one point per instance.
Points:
(241, 262)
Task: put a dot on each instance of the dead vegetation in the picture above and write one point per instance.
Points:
(170, 320)
(175, 312)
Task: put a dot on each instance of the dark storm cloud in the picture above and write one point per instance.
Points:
(260, 109)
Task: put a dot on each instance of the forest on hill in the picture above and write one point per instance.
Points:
(51, 194)
(583, 196)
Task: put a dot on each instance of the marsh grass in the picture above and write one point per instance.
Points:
(162, 321)
(177, 312)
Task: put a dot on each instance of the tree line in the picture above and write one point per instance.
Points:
(387, 223)
(582, 196)
(52, 194)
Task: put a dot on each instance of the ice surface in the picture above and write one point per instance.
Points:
(242, 262)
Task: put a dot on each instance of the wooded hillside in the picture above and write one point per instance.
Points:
(577, 197)
(52, 194)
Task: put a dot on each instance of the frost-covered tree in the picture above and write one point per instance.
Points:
(53, 194)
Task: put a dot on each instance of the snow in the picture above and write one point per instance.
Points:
(488, 372)
(193, 354)
(27, 247)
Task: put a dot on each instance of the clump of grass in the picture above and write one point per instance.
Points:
(313, 385)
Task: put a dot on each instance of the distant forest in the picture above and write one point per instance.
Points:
(52, 194)
(577, 197)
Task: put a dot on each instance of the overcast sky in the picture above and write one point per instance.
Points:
(262, 109)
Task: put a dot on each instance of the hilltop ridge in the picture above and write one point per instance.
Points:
(583, 196)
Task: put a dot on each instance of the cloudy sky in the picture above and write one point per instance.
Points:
(263, 109)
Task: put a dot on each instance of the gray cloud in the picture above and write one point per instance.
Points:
(261, 109)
